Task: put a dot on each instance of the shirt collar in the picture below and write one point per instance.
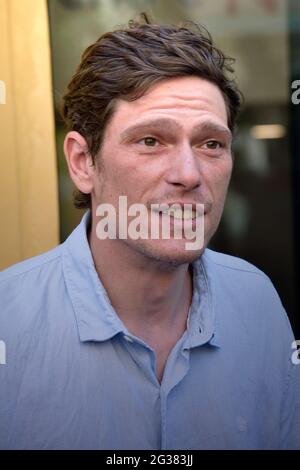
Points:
(96, 318)
(202, 315)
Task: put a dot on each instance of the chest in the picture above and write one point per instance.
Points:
(161, 360)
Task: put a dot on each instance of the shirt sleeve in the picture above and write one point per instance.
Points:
(284, 363)
(290, 419)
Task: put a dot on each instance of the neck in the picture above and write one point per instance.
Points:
(149, 296)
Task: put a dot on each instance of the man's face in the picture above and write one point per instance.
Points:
(172, 145)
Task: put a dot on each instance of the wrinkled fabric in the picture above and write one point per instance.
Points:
(76, 378)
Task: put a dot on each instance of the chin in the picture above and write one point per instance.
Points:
(172, 252)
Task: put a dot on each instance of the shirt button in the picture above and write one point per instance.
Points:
(130, 340)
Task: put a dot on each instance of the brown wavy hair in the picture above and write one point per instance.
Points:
(124, 63)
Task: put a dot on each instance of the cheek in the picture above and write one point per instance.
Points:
(220, 177)
(225, 178)
(124, 181)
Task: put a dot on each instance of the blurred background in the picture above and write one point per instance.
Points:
(261, 221)
(258, 222)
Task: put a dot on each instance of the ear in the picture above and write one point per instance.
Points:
(79, 161)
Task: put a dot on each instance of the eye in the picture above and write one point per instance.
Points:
(149, 141)
(213, 145)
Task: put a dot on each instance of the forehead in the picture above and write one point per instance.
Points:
(186, 100)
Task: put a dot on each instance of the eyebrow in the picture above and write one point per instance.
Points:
(171, 125)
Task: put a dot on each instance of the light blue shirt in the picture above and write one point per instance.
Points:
(76, 378)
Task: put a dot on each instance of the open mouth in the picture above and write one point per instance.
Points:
(181, 212)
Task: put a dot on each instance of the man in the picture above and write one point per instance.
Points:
(125, 342)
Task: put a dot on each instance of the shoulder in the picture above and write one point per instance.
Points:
(30, 266)
(27, 287)
(229, 263)
(234, 273)
(246, 290)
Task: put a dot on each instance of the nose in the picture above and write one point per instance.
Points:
(184, 168)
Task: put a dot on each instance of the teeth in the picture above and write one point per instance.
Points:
(186, 214)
